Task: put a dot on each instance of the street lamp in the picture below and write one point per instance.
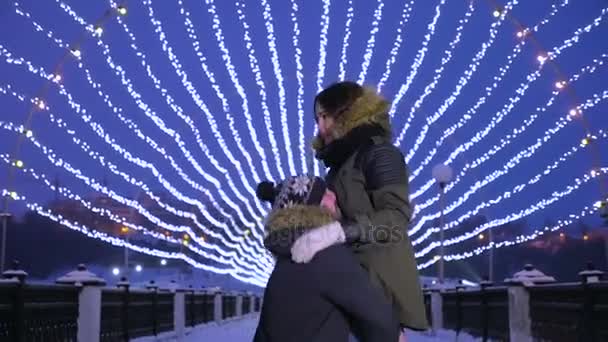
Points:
(442, 174)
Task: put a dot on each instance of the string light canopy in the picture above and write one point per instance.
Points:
(244, 242)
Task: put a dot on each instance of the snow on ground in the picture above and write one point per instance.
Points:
(243, 329)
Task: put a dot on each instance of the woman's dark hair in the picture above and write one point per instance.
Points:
(266, 191)
(338, 97)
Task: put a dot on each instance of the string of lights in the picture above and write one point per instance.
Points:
(509, 138)
(323, 45)
(418, 60)
(371, 42)
(539, 205)
(300, 77)
(405, 17)
(463, 81)
(127, 155)
(179, 111)
(521, 91)
(276, 67)
(235, 80)
(257, 280)
(482, 100)
(508, 194)
(155, 145)
(516, 159)
(438, 73)
(518, 240)
(228, 258)
(241, 248)
(345, 42)
(134, 204)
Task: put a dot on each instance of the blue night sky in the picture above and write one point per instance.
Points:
(221, 87)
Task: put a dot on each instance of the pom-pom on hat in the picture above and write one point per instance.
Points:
(294, 190)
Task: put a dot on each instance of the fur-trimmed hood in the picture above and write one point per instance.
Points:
(284, 226)
(369, 108)
(300, 217)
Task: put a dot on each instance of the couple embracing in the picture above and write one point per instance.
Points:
(345, 265)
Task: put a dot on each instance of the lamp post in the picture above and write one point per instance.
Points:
(442, 174)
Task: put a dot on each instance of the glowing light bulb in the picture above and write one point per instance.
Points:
(562, 235)
(122, 10)
(163, 262)
(115, 271)
(186, 237)
(98, 30)
(520, 34)
(541, 58)
(76, 52)
(29, 133)
(185, 242)
(585, 141)
(41, 104)
(124, 230)
(585, 237)
(496, 13)
(57, 78)
(19, 163)
(247, 232)
(481, 236)
(138, 268)
(560, 84)
(594, 173)
(13, 195)
(574, 112)
(598, 204)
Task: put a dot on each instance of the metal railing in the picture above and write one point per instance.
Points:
(524, 312)
(94, 312)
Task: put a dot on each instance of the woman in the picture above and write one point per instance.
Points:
(370, 179)
(318, 300)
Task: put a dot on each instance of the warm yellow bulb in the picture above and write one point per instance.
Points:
(541, 58)
(76, 52)
(185, 242)
(247, 232)
(19, 163)
(13, 195)
(186, 237)
(124, 230)
(574, 112)
(481, 236)
(586, 237)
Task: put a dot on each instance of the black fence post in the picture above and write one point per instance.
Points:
(587, 327)
(459, 289)
(19, 276)
(192, 307)
(152, 286)
(124, 284)
(484, 312)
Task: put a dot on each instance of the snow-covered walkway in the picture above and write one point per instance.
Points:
(242, 330)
